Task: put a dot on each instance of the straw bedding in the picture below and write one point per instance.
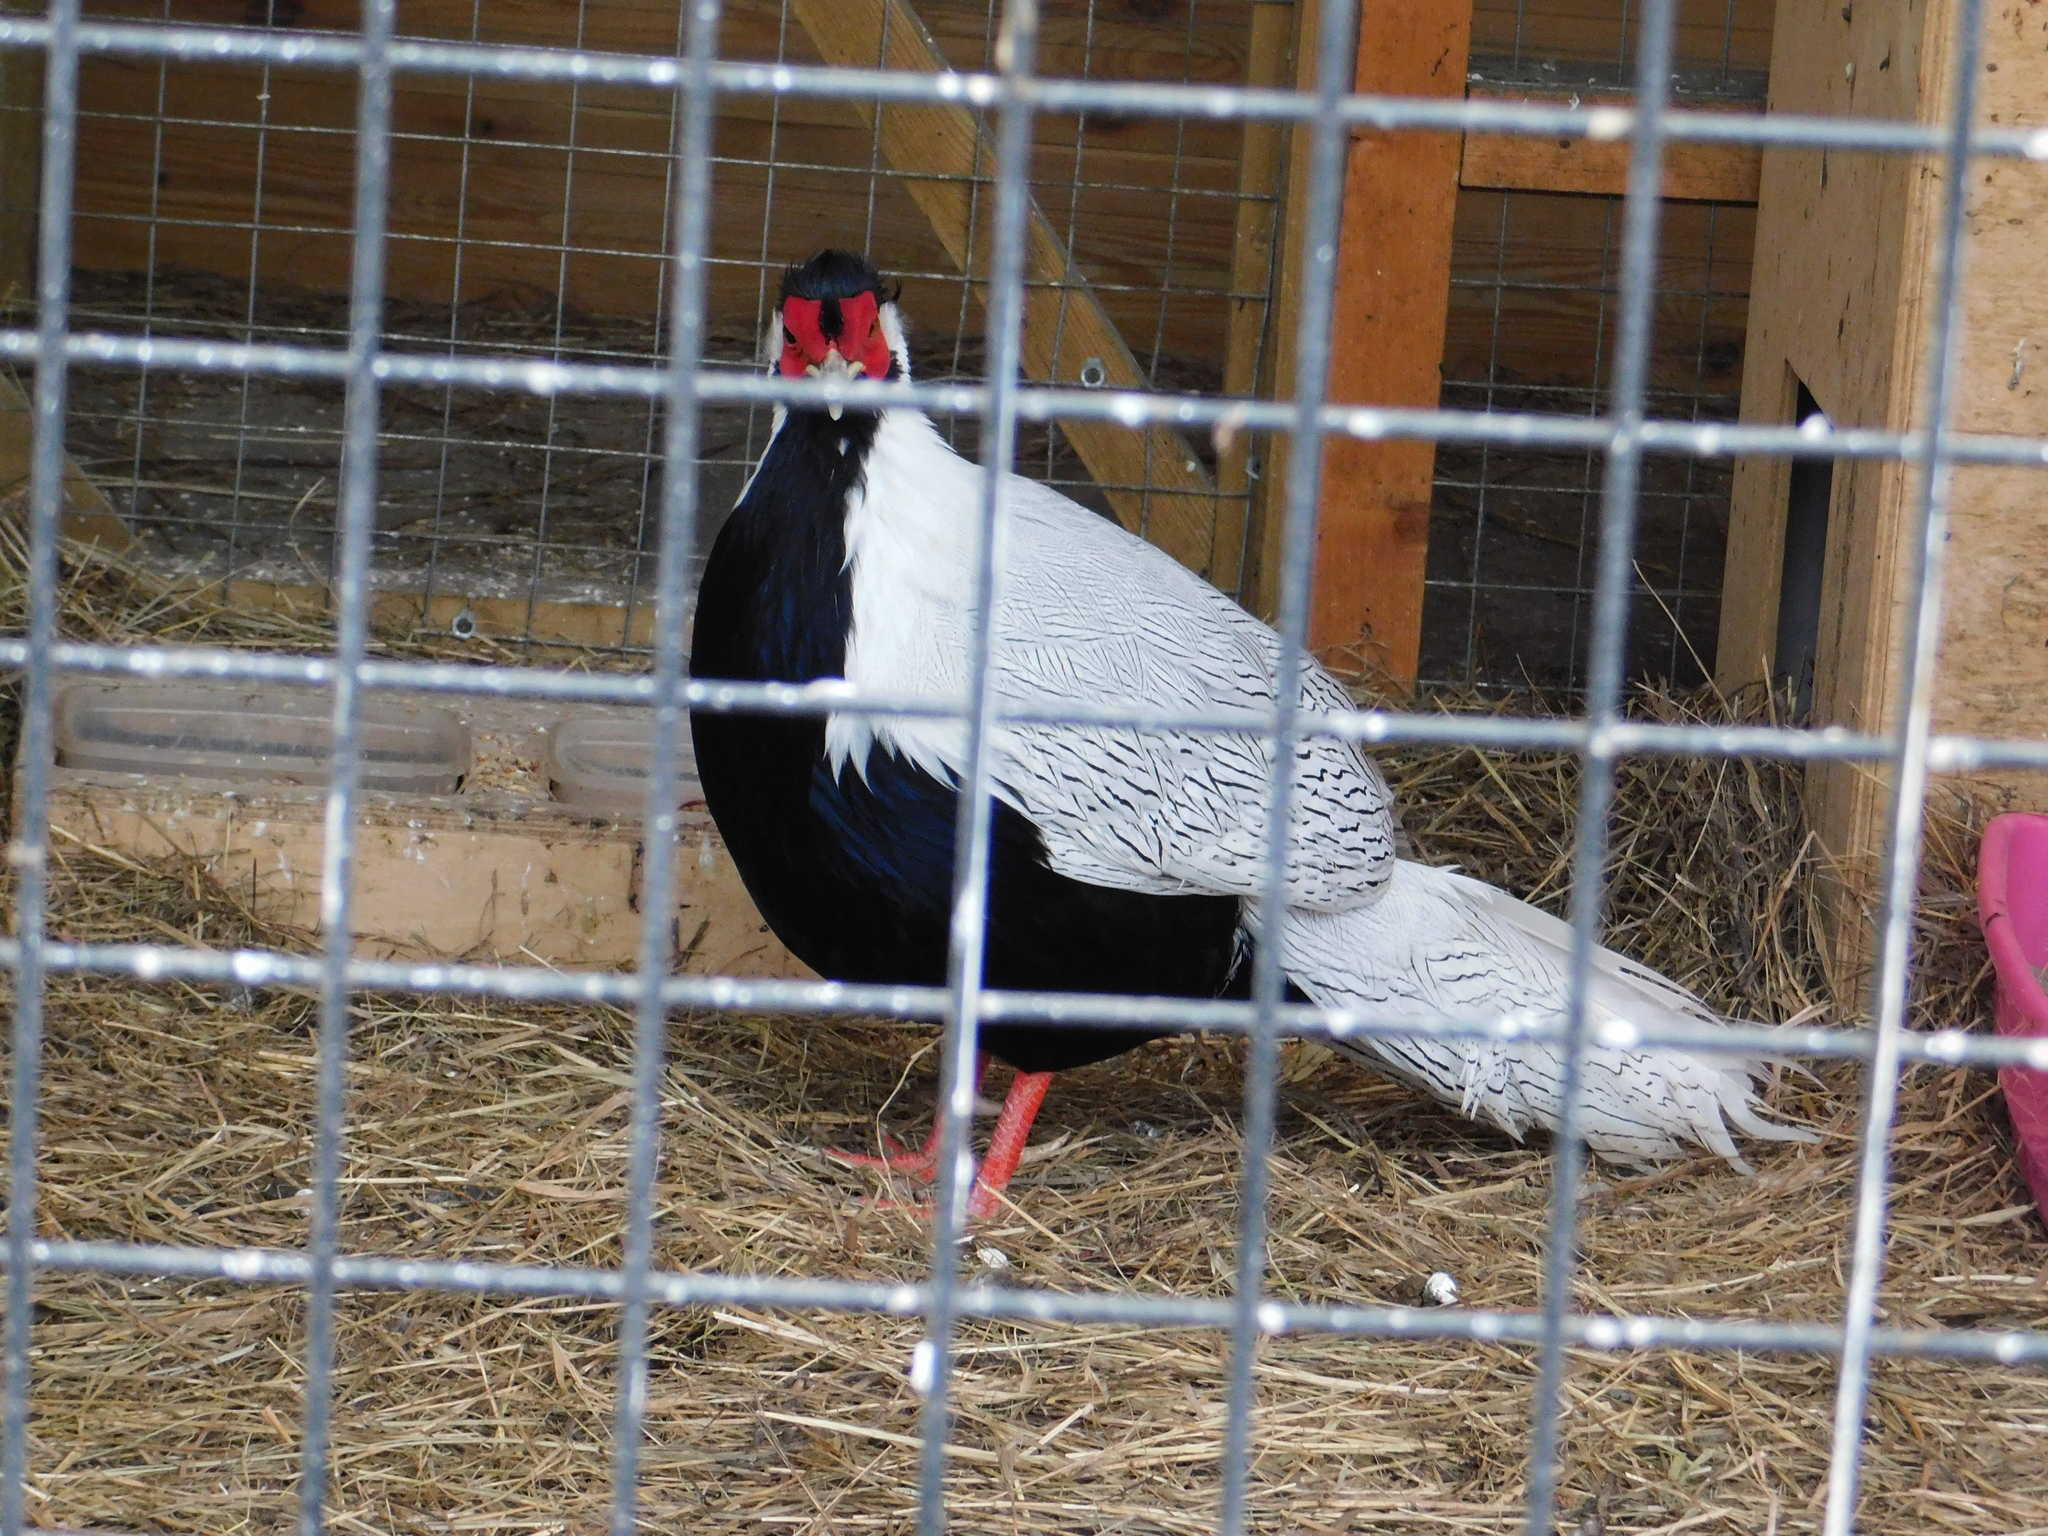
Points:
(174, 1114)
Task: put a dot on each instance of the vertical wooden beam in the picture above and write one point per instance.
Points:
(1393, 299)
(1248, 350)
(1840, 299)
(1393, 295)
(1264, 539)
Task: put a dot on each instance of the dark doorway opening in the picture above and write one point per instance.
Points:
(1799, 584)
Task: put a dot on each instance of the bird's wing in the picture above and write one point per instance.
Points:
(1092, 615)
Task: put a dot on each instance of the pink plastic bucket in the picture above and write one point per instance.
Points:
(2012, 900)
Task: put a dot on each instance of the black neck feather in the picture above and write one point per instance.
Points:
(777, 598)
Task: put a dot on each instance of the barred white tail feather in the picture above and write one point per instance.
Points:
(1440, 945)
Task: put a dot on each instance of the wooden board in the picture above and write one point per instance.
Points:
(493, 874)
(1268, 533)
(1707, 30)
(1843, 301)
(1152, 42)
(1836, 301)
(431, 883)
(546, 624)
(1393, 281)
(1152, 478)
(493, 163)
(1393, 291)
(1720, 173)
(522, 194)
(1534, 279)
(1248, 353)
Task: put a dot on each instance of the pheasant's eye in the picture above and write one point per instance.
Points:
(788, 336)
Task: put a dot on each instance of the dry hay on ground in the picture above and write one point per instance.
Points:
(496, 1131)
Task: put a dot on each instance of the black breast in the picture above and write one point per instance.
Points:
(853, 871)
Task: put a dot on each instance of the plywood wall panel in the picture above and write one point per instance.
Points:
(1844, 300)
(1994, 666)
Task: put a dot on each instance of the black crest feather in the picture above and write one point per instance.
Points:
(836, 274)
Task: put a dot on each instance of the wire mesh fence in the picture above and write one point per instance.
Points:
(534, 225)
(201, 213)
(674, 397)
(1531, 330)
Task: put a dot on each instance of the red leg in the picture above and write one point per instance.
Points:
(1006, 1146)
(918, 1162)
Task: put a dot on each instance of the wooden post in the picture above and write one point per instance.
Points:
(1393, 294)
(1269, 492)
(1153, 481)
(1842, 300)
(1248, 352)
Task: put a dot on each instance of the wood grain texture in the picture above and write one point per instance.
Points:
(1393, 288)
(1268, 533)
(1149, 42)
(537, 220)
(1843, 299)
(1837, 301)
(1152, 479)
(1551, 324)
(1707, 30)
(1247, 358)
(1994, 664)
(1713, 173)
(504, 875)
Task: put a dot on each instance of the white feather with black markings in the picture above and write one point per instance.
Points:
(1440, 946)
(1090, 615)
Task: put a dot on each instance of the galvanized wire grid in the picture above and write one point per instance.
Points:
(1910, 752)
(1509, 591)
(588, 511)
(1510, 585)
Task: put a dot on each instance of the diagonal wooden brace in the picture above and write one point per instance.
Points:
(88, 517)
(1154, 482)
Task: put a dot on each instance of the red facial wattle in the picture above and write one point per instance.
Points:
(808, 337)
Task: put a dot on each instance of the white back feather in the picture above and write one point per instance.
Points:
(1091, 614)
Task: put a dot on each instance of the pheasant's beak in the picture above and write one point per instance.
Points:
(835, 367)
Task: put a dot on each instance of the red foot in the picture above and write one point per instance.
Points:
(913, 1162)
(1005, 1148)
(920, 1162)
(1006, 1145)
